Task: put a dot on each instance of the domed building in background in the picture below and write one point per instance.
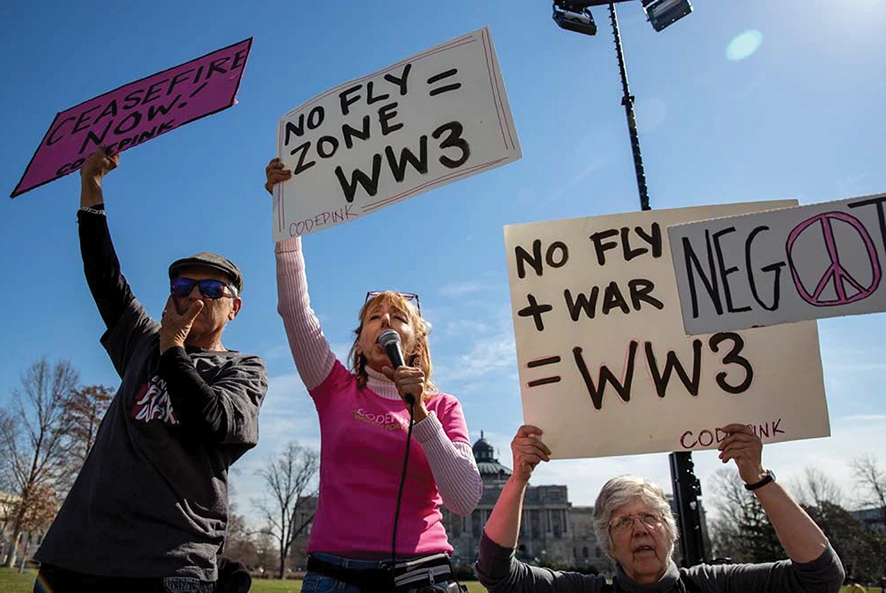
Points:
(552, 531)
(490, 468)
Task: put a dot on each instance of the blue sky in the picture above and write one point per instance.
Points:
(801, 116)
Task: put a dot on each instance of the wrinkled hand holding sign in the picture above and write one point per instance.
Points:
(137, 112)
(808, 262)
(605, 366)
(431, 119)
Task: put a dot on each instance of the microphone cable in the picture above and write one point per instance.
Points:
(400, 496)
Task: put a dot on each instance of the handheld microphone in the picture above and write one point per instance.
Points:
(390, 341)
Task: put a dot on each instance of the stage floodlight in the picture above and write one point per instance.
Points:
(663, 13)
(574, 16)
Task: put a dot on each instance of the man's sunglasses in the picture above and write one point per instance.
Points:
(213, 289)
(408, 296)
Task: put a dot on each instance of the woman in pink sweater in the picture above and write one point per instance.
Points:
(364, 422)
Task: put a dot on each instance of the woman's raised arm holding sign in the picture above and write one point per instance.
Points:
(364, 422)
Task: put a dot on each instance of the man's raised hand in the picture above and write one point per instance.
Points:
(175, 327)
(98, 165)
(93, 170)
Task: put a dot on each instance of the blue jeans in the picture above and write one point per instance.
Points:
(317, 583)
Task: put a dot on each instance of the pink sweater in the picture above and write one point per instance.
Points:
(363, 439)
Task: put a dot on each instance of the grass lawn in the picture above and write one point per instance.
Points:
(13, 582)
(275, 586)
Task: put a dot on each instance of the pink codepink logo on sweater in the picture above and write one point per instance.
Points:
(387, 421)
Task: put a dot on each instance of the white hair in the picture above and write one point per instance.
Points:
(622, 491)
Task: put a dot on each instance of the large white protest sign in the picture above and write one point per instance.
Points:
(786, 265)
(431, 119)
(605, 366)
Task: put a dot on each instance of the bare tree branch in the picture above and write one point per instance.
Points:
(33, 438)
(872, 480)
(816, 489)
(7, 462)
(742, 530)
(289, 482)
(84, 409)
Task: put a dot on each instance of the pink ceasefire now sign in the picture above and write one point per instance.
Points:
(137, 112)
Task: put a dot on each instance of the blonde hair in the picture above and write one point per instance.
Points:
(624, 490)
(420, 356)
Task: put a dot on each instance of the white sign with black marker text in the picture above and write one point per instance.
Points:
(605, 366)
(807, 262)
(431, 119)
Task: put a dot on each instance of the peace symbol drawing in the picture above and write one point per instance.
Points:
(847, 288)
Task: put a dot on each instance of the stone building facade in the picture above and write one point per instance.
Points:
(552, 531)
(872, 518)
(28, 541)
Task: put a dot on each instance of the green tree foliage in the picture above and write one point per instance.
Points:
(861, 549)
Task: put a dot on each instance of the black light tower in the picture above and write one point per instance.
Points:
(628, 101)
(687, 490)
(575, 15)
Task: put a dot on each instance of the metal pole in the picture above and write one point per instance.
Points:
(687, 489)
(628, 101)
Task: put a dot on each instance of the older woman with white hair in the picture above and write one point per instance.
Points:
(635, 527)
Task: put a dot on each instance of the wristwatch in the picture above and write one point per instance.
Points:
(770, 477)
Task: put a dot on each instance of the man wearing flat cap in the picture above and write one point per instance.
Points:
(149, 509)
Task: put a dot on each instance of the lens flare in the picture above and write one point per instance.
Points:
(744, 45)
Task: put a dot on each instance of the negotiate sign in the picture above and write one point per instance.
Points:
(431, 119)
(136, 113)
(807, 262)
(605, 367)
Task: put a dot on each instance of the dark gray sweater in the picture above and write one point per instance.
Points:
(500, 572)
(152, 498)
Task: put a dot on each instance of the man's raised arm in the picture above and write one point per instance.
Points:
(100, 264)
(125, 318)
